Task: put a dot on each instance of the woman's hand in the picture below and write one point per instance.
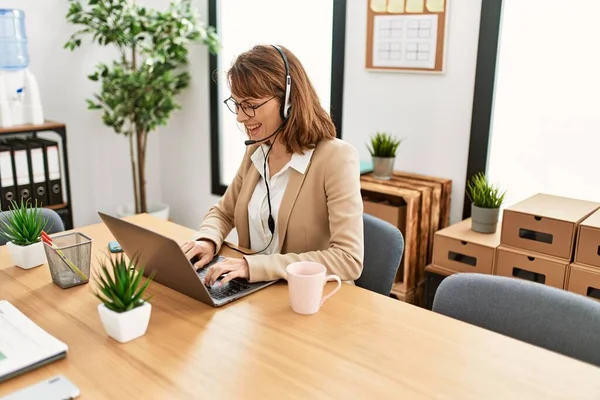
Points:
(233, 267)
(205, 250)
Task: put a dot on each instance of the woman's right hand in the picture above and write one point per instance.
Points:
(204, 249)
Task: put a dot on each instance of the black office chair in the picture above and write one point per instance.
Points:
(55, 223)
(384, 246)
(535, 313)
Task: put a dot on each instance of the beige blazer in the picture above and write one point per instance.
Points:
(320, 217)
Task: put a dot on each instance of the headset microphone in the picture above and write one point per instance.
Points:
(251, 142)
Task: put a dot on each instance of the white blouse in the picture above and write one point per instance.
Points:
(258, 207)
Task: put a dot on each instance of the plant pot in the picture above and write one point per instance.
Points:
(158, 210)
(484, 220)
(383, 167)
(126, 326)
(27, 257)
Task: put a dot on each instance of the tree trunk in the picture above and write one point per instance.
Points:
(141, 136)
(136, 203)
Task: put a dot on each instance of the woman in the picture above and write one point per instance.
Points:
(310, 206)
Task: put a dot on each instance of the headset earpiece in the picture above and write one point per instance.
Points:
(284, 111)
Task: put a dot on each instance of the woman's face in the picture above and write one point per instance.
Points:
(260, 116)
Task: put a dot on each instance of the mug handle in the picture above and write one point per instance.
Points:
(339, 285)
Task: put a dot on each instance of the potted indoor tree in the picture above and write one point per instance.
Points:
(383, 151)
(22, 227)
(124, 312)
(138, 89)
(486, 200)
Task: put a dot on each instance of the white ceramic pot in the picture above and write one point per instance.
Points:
(27, 257)
(158, 210)
(124, 327)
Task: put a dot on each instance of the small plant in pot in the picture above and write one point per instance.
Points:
(486, 200)
(123, 311)
(383, 150)
(22, 226)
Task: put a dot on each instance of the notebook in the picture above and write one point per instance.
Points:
(23, 344)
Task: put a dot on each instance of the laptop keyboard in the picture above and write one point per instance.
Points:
(220, 292)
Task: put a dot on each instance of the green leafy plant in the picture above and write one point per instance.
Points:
(24, 223)
(138, 89)
(383, 145)
(120, 284)
(484, 194)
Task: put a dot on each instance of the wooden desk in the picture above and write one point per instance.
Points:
(360, 345)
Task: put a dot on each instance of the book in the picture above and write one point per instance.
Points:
(366, 167)
(24, 346)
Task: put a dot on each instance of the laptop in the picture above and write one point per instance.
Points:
(163, 255)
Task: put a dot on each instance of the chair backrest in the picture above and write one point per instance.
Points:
(55, 223)
(541, 315)
(384, 246)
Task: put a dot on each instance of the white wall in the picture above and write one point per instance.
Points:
(432, 112)
(98, 158)
(545, 118)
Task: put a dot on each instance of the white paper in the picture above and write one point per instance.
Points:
(53, 163)
(22, 167)
(22, 342)
(405, 41)
(37, 163)
(6, 169)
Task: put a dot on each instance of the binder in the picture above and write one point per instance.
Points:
(37, 170)
(20, 169)
(7, 177)
(52, 170)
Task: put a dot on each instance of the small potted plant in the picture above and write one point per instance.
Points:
(22, 227)
(486, 200)
(383, 150)
(123, 311)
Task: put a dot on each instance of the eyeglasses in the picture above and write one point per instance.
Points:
(247, 108)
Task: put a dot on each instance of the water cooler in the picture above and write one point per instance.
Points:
(20, 101)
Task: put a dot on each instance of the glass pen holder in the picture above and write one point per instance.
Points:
(69, 259)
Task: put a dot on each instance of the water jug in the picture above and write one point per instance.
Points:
(13, 39)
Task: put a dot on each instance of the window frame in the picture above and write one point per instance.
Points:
(483, 94)
(337, 87)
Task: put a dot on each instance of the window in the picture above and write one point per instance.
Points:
(535, 118)
(242, 24)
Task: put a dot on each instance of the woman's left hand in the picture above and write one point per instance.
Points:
(233, 267)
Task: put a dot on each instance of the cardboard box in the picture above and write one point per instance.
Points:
(545, 224)
(460, 249)
(588, 241)
(584, 280)
(540, 268)
(394, 214)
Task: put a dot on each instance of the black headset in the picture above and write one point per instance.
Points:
(284, 111)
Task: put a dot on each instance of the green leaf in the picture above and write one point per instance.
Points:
(484, 194)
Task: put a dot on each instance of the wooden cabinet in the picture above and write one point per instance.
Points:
(419, 206)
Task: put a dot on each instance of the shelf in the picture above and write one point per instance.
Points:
(57, 206)
(46, 126)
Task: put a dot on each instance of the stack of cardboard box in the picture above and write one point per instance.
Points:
(458, 248)
(584, 276)
(539, 237)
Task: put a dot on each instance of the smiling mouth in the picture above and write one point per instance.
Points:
(253, 129)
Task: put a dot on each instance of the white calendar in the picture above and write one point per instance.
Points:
(405, 40)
